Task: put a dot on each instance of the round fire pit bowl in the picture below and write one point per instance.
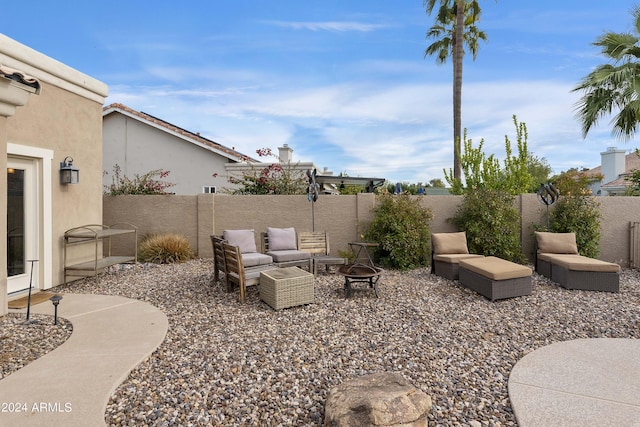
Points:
(360, 273)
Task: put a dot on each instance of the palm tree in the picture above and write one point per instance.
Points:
(452, 15)
(614, 87)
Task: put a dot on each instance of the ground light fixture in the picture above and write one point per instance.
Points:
(55, 300)
(68, 173)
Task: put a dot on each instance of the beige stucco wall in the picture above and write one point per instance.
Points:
(65, 119)
(343, 217)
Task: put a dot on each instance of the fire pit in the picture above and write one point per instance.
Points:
(360, 273)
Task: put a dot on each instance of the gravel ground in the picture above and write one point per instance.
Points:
(224, 363)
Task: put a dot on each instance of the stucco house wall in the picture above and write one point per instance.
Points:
(64, 119)
(139, 143)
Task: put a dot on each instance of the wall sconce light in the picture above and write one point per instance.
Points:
(69, 174)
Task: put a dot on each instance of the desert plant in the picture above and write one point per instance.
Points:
(401, 228)
(165, 249)
(139, 184)
(492, 224)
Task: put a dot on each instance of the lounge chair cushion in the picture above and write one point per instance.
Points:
(282, 239)
(252, 259)
(449, 243)
(583, 263)
(289, 255)
(244, 239)
(556, 243)
(454, 258)
(495, 268)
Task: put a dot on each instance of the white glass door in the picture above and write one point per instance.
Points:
(21, 224)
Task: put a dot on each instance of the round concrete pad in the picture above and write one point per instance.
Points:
(584, 382)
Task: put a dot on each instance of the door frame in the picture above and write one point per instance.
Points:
(42, 159)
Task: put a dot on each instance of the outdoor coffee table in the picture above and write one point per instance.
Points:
(286, 287)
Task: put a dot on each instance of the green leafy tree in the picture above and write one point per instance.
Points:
(401, 228)
(454, 27)
(482, 171)
(614, 88)
(634, 177)
(540, 170)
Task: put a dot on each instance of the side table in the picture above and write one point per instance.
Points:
(286, 287)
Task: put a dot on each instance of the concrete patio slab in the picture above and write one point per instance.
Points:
(584, 382)
(71, 385)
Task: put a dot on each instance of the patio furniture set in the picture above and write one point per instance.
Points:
(279, 269)
(556, 258)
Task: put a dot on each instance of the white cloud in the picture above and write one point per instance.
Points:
(333, 26)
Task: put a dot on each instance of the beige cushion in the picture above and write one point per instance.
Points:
(449, 243)
(244, 239)
(583, 263)
(495, 268)
(453, 258)
(282, 239)
(556, 243)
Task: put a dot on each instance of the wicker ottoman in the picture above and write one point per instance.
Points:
(495, 278)
(286, 287)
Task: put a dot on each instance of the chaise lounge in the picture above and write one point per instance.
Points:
(557, 258)
(447, 249)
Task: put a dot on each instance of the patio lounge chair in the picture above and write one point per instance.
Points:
(447, 249)
(557, 258)
(282, 245)
(317, 244)
(237, 274)
(218, 257)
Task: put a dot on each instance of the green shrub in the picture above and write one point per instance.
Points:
(579, 214)
(165, 249)
(492, 224)
(400, 226)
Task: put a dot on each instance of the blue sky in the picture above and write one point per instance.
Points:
(344, 83)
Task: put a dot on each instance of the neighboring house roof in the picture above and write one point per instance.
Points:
(632, 162)
(181, 133)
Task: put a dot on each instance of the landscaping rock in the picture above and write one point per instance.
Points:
(381, 399)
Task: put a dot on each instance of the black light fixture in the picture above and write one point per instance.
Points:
(55, 300)
(68, 173)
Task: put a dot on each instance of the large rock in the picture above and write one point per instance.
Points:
(381, 399)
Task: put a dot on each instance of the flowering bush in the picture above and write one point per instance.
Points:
(276, 178)
(140, 184)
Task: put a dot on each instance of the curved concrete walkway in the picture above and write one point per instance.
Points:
(584, 382)
(71, 385)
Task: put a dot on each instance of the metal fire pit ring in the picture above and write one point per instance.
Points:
(360, 273)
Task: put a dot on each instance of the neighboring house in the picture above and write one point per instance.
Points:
(139, 143)
(615, 167)
(328, 183)
(49, 112)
